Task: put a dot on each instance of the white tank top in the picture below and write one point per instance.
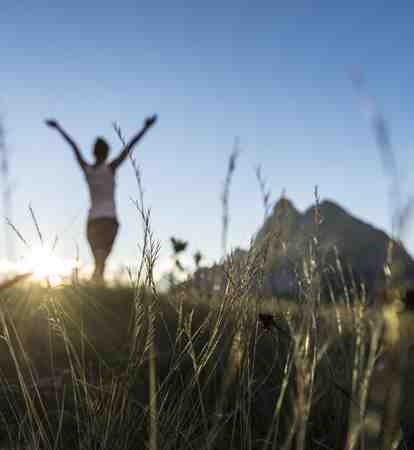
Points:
(101, 182)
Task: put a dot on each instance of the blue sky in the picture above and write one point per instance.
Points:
(276, 75)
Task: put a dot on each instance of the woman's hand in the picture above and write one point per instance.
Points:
(149, 121)
(52, 123)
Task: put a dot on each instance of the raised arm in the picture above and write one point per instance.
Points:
(149, 122)
(69, 140)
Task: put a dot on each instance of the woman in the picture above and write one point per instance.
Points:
(102, 225)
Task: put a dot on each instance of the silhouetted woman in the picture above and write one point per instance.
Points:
(102, 225)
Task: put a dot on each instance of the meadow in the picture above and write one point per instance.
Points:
(125, 367)
(197, 368)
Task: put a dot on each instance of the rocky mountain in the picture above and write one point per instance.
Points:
(327, 240)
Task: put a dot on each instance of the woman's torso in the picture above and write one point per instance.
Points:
(101, 183)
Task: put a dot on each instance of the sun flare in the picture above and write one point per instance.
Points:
(47, 267)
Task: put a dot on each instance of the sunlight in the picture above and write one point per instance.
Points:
(47, 267)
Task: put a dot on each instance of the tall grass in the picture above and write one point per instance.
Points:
(198, 375)
(93, 368)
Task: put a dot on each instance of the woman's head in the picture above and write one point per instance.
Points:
(100, 149)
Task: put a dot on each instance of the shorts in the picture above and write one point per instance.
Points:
(101, 233)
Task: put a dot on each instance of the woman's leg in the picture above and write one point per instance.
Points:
(93, 239)
(100, 256)
(101, 235)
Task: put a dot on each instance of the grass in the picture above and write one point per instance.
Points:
(85, 368)
(129, 368)
(125, 368)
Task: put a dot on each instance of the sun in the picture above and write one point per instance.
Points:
(45, 266)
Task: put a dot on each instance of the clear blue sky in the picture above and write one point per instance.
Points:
(276, 74)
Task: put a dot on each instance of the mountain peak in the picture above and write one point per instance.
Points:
(284, 204)
(329, 206)
(361, 246)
